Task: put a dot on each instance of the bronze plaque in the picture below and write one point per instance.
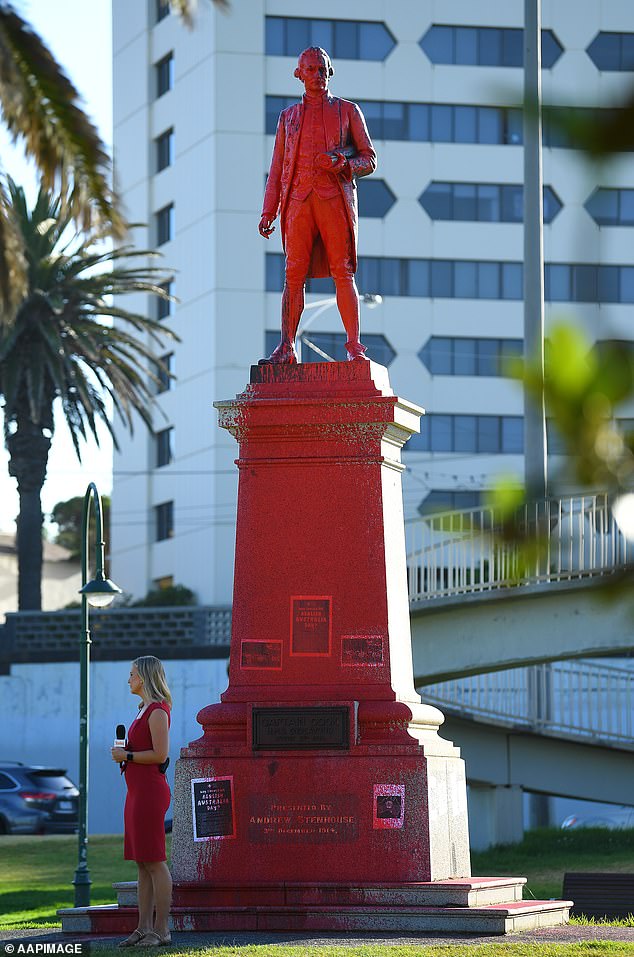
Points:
(261, 655)
(311, 624)
(301, 729)
(294, 820)
(362, 650)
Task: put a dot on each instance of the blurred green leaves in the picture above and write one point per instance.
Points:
(585, 387)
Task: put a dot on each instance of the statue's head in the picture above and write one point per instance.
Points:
(314, 69)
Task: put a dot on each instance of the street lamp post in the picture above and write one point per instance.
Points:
(98, 592)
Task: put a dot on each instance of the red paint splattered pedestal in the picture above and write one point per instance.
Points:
(320, 794)
(320, 763)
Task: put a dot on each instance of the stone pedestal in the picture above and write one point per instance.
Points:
(320, 763)
(320, 794)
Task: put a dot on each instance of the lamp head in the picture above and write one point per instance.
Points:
(100, 591)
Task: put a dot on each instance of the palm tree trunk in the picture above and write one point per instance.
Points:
(28, 451)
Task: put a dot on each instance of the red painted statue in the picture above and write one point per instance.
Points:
(321, 145)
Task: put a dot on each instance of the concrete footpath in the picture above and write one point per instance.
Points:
(549, 935)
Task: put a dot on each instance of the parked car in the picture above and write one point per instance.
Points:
(36, 800)
(618, 818)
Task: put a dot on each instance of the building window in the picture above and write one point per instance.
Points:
(476, 434)
(588, 282)
(343, 39)
(165, 307)
(450, 500)
(442, 122)
(427, 278)
(164, 74)
(164, 220)
(273, 106)
(554, 440)
(612, 207)
(162, 9)
(443, 355)
(164, 145)
(453, 123)
(612, 52)
(468, 279)
(165, 373)
(164, 447)
(375, 197)
(164, 521)
(485, 46)
(425, 122)
(334, 345)
(483, 202)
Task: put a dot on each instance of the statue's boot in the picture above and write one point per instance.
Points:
(292, 308)
(284, 353)
(355, 349)
(348, 304)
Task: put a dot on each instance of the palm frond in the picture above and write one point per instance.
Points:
(40, 107)
(13, 282)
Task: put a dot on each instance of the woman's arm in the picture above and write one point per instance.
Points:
(159, 732)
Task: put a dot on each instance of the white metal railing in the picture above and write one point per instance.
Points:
(569, 699)
(455, 553)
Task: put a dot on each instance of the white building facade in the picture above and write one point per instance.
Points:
(441, 236)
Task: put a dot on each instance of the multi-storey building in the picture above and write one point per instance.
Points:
(441, 235)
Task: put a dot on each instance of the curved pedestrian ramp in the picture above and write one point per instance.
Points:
(478, 604)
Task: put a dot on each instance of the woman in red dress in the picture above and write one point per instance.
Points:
(147, 801)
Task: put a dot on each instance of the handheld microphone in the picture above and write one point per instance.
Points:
(119, 739)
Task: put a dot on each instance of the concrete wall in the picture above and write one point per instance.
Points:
(39, 721)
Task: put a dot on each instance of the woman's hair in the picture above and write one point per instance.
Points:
(154, 682)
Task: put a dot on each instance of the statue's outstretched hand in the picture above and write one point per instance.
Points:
(266, 227)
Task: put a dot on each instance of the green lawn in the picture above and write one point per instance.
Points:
(547, 853)
(37, 873)
(505, 948)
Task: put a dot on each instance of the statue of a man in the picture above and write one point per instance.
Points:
(321, 145)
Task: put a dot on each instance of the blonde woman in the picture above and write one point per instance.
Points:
(147, 800)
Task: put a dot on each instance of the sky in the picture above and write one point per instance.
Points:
(79, 33)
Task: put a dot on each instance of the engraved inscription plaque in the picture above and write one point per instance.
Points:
(301, 729)
(261, 655)
(295, 820)
(362, 650)
(389, 805)
(311, 624)
(212, 806)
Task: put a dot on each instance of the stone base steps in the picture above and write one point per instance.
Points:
(478, 905)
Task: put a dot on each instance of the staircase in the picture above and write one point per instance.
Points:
(476, 905)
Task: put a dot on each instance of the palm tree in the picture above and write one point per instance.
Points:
(57, 348)
(40, 108)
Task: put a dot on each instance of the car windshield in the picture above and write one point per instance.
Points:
(50, 779)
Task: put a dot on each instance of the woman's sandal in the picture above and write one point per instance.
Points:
(133, 939)
(152, 939)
